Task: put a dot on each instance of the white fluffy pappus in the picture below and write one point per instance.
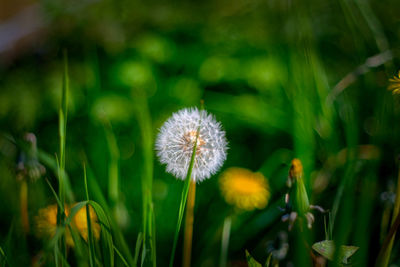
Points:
(177, 136)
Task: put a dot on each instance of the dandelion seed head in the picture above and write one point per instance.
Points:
(176, 140)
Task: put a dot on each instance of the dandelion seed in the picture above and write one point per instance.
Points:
(394, 85)
(244, 189)
(46, 223)
(176, 140)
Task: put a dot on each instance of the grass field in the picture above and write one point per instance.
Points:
(213, 133)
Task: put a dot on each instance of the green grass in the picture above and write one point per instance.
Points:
(286, 80)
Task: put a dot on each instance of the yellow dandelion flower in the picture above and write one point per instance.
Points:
(80, 222)
(244, 189)
(46, 223)
(394, 85)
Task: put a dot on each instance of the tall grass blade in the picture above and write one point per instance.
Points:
(113, 169)
(184, 196)
(63, 113)
(121, 257)
(138, 246)
(3, 258)
(374, 24)
(99, 197)
(384, 256)
(91, 244)
(226, 231)
(386, 250)
(146, 133)
(106, 237)
(61, 166)
(78, 246)
(55, 194)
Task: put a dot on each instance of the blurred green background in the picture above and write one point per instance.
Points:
(287, 79)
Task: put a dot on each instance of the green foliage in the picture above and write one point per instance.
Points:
(251, 261)
(327, 249)
(287, 79)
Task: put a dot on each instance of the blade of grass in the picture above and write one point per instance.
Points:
(121, 257)
(78, 246)
(356, 29)
(51, 163)
(104, 222)
(303, 93)
(381, 260)
(106, 237)
(56, 259)
(184, 196)
(63, 113)
(146, 133)
(61, 164)
(374, 24)
(345, 196)
(113, 170)
(100, 198)
(138, 246)
(386, 250)
(3, 257)
(91, 244)
(55, 194)
(62, 259)
(226, 231)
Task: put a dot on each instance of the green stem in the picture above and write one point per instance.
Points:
(146, 130)
(113, 169)
(226, 232)
(184, 197)
(386, 250)
(61, 165)
(89, 224)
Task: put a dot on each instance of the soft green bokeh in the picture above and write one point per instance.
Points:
(285, 79)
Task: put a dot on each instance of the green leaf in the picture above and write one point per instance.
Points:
(251, 261)
(3, 258)
(184, 196)
(138, 247)
(106, 237)
(121, 257)
(98, 196)
(327, 249)
(90, 240)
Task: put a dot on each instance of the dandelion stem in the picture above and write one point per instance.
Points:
(24, 206)
(384, 254)
(187, 243)
(226, 232)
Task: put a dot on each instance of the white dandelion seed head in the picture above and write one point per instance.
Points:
(176, 139)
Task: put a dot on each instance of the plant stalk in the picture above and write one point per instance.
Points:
(226, 232)
(384, 254)
(24, 206)
(187, 243)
